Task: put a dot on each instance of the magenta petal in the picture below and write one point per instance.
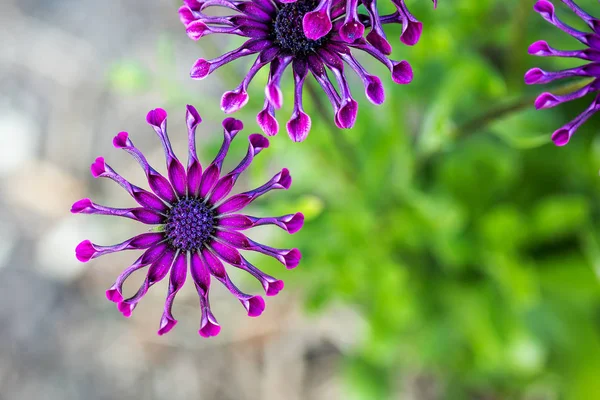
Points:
(402, 73)
(274, 287)
(379, 42)
(113, 295)
(351, 31)
(84, 251)
(255, 306)
(412, 34)
(156, 117)
(232, 125)
(274, 95)
(546, 100)
(196, 29)
(192, 117)
(81, 205)
(233, 101)
(561, 137)
(177, 176)
(209, 327)
(299, 126)
(209, 178)
(292, 259)
(374, 90)
(194, 177)
(316, 24)
(166, 325)
(226, 253)
(120, 141)
(295, 223)
(267, 123)
(533, 76)
(200, 69)
(98, 167)
(346, 115)
(538, 48)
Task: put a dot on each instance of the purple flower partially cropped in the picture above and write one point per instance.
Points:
(196, 223)
(313, 36)
(590, 70)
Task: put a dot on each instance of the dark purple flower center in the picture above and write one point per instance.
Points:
(288, 32)
(190, 224)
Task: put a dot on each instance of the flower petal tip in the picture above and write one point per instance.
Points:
(295, 224)
(316, 24)
(233, 101)
(533, 76)
(166, 326)
(80, 205)
(255, 306)
(113, 295)
(232, 125)
(402, 73)
(540, 47)
(156, 117)
(285, 179)
(298, 127)
(561, 137)
(210, 329)
(85, 251)
(292, 258)
(258, 141)
(544, 7)
(98, 167)
(120, 141)
(200, 69)
(267, 123)
(351, 31)
(412, 34)
(274, 287)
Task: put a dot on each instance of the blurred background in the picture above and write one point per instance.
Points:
(450, 250)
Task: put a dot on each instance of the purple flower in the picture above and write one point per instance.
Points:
(312, 36)
(591, 70)
(196, 223)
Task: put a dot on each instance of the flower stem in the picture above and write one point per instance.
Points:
(476, 124)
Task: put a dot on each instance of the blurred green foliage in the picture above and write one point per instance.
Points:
(468, 242)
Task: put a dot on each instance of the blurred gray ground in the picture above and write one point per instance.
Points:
(60, 338)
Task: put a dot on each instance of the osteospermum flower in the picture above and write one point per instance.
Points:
(590, 70)
(311, 36)
(196, 223)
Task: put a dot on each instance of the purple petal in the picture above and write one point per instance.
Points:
(254, 305)
(158, 183)
(144, 198)
(86, 206)
(115, 293)
(317, 23)
(87, 250)
(282, 180)
(291, 223)
(226, 183)
(157, 271)
(402, 72)
(176, 281)
(233, 101)
(298, 126)
(346, 116)
(267, 121)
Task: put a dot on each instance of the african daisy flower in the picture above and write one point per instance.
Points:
(195, 221)
(311, 36)
(591, 70)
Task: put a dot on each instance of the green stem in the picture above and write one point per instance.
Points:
(480, 122)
